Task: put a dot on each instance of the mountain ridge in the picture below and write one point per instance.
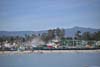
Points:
(70, 32)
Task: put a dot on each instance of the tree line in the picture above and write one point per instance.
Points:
(52, 34)
(87, 36)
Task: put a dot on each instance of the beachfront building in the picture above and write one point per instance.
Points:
(79, 43)
(98, 43)
(7, 44)
(55, 43)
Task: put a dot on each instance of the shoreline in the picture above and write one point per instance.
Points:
(49, 51)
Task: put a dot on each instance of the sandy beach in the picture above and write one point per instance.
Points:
(50, 51)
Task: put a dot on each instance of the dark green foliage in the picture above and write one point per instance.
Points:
(53, 33)
(78, 35)
(87, 36)
(60, 32)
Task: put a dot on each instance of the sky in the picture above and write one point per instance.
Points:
(34, 15)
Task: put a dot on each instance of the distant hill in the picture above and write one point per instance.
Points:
(20, 33)
(70, 32)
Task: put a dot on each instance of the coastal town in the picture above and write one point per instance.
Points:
(49, 33)
(52, 40)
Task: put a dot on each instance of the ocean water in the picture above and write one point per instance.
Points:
(51, 60)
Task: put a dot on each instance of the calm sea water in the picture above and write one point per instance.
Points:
(51, 60)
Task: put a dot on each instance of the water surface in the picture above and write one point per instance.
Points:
(51, 60)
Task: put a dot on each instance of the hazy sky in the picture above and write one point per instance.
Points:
(45, 14)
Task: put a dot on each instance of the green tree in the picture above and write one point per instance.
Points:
(78, 35)
(60, 32)
(44, 37)
(51, 34)
(86, 36)
(96, 35)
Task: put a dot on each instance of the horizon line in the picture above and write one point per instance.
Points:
(52, 28)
